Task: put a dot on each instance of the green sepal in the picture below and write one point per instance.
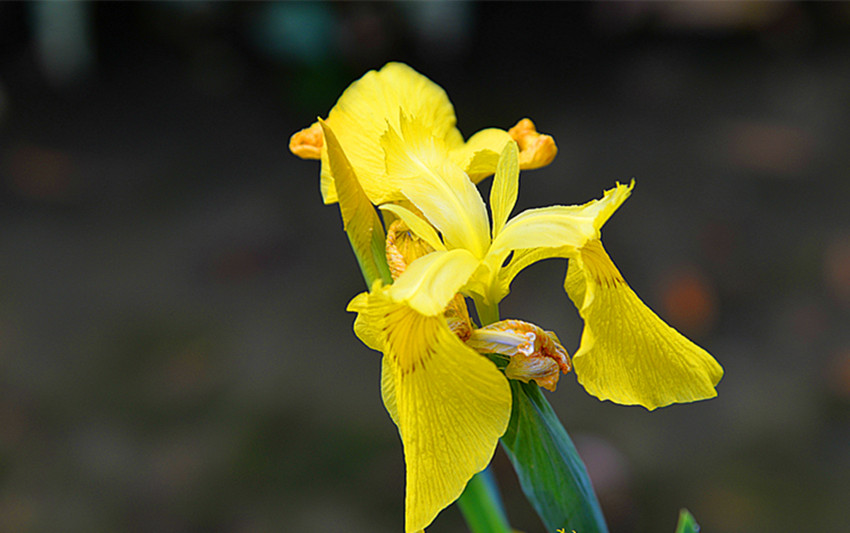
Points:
(687, 523)
(550, 471)
(359, 218)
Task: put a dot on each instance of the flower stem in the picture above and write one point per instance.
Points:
(481, 505)
(487, 314)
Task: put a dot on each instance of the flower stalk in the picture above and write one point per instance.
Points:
(481, 505)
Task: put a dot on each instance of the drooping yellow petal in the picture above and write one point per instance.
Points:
(505, 187)
(628, 354)
(359, 218)
(450, 403)
(360, 118)
(436, 186)
(430, 282)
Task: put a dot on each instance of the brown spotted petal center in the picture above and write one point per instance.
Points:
(403, 248)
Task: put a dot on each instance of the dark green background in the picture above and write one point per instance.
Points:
(175, 355)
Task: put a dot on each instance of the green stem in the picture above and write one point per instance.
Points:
(487, 314)
(481, 505)
(480, 502)
(550, 471)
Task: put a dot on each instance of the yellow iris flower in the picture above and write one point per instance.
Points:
(391, 141)
(627, 353)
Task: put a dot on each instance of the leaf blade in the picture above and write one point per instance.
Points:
(550, 471)
(687, 523)
(359, 218)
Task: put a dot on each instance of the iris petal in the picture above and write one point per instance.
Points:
(359, 218)
(505, 187)
(430, 282)
(450, 403)
(437, 187)
(479, 156)
(368, 324)
(628, 354)
(361, 114)
(558, 226)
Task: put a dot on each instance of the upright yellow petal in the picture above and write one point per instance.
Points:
(602, 209)
(436, 186)
(450, 403)
(546, 227)
(361, 115)
(505, 186)
(628, 355)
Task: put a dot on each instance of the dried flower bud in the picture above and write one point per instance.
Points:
(307, 143)
(535, 354)
(535, 149)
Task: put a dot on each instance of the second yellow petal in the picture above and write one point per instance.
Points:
(451, 405)
(628, 354)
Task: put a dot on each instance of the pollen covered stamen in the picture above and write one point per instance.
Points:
(457, 316)
(535, 354)
(403, 247)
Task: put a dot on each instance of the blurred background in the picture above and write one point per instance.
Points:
(175, 355)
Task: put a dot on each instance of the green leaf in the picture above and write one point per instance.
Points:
(550, 472)
(481, 505)
(359, 218)
(687, 523)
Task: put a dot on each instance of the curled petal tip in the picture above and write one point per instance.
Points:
(307, 143)
(536, 150)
